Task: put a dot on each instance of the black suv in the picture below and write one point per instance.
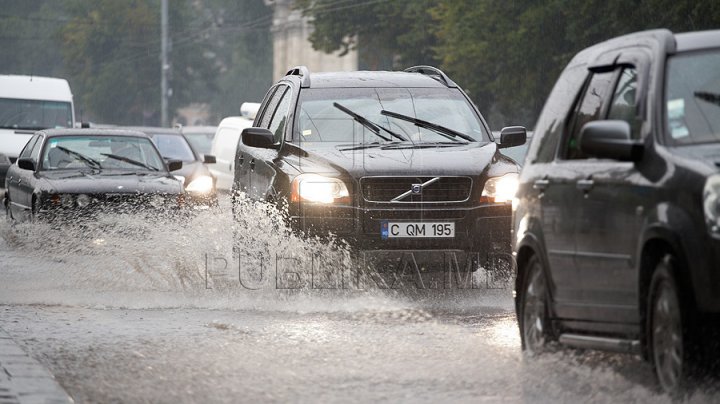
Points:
(385, 160)
(617, 224)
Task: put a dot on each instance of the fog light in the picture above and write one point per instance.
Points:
(82, 200)
(67, 201)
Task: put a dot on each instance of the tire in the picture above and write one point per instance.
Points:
(8, 211)
(534, 318)
(667, 331)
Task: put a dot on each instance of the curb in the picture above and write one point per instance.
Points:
(25, 380)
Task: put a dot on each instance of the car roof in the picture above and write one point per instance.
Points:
(660, 40)
(154, 130)
(688, 41)
(373, 79)
(92, 131)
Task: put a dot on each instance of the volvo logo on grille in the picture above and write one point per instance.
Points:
(416, 189)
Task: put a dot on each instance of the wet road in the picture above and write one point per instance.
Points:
(138, 321)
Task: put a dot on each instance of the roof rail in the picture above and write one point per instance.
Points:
(303, 72)
(433, 72)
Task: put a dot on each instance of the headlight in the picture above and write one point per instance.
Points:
(711, 204)
(200, 185)
(82, 200)
(500, 189)
(320, 189)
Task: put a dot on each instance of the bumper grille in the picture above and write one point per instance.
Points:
(439, 189)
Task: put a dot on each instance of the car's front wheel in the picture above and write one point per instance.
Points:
(534, 317)
(668, 341)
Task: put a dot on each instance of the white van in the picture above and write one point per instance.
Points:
(28, 104)
(225, 143)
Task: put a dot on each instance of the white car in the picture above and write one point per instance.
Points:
(225, 144)
(28, 104)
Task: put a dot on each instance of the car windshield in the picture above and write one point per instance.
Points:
(100, 152)
(173, 147)
(34, 114)
(319, 120)
(201, 141)
(693, 97)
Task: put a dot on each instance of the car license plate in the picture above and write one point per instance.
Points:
(417, 230)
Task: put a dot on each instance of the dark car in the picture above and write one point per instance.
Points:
(399, 161)
(617, 230)
(200, 137)
(199, 182)
(82, 171)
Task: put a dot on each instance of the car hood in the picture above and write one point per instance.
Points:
(706, 155)
(420, 160)
(97, 183)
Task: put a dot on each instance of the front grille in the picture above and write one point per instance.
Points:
(444, 189)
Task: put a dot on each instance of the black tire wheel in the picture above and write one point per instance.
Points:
(535, 330)
(668, 339)
(8, 212)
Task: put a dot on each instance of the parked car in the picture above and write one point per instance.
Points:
(85, 171)
(28, 104)
(200, 137)
(518, 153)
(617, 226)
(398, 161)
(198, 181)
(225, 144)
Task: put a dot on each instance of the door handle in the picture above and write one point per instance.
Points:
(241, 160)
(541, 184)
(585, 185)
(252, 165)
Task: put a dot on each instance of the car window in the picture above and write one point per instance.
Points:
(692, 97)
(588, 109)
(271, 106)
(174, 147)
(623, 105)
(277, 124)
(35, 152)
(549, 128)
(100, 152)
(27, 150)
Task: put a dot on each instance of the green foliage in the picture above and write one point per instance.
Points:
(506, 53)
(109, 50)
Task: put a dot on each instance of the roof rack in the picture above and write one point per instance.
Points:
(433, 72)
(303, 72)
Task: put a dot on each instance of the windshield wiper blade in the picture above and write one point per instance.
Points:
(713, 98)
(130, 161)
(447, 132)
(87, 160)
(374, 128)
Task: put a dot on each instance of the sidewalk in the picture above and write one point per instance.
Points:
(25, 380)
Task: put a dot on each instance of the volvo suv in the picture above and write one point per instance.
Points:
(617, 220)
(388, 161)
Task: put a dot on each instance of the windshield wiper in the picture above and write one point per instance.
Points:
(713, 98)
(130, 161)
(374, 128)
(87, 160)
(447, 132)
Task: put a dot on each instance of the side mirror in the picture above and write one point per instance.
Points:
(258, 137)
(26, 163)
(209, 159)
(512, 136)
(609, 139)
(174, 165)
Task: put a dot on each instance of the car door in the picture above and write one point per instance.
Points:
(19, 187)
(262, 163)
(561, 200)
(611, 209)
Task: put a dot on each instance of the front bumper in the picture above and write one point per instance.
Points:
(481, 228)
